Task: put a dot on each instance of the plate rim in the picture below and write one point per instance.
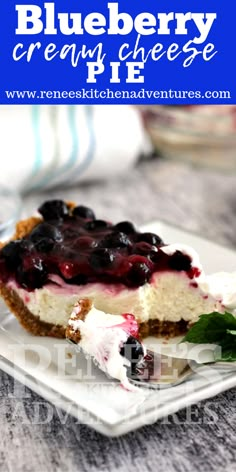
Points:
(192, 233)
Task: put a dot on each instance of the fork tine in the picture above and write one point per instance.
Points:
(160, 371)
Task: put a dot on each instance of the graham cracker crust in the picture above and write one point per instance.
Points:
(167, 329)
(84, 306)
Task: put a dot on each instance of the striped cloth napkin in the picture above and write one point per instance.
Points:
(48, 146)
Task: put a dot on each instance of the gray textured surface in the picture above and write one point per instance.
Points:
(202, 438)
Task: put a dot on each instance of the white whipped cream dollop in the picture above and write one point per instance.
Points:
(102, 336)
(221, 286)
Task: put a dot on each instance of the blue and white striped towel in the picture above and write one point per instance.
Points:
(47, 146)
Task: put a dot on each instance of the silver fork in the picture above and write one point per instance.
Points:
(159, 371)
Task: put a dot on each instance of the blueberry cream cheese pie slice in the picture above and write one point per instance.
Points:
(66, 253)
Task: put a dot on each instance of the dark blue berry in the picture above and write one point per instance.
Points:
(45, 230)
(32, 274)
(138, 275)
(44, 245)
(13, 252)
(83, 212)
(126, 227)
(101, 258)
(180, 261)
(117, 239)
(44, 237)
(142, 248)
(156, 256)
(84, 243)
(70, 233)
(53, 210)
(132, 349)
(96, 225)
(151, 238)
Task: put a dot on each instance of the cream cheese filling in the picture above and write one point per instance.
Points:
(171, 296)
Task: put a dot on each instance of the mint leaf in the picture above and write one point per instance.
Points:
(211, 328)
(215, 328)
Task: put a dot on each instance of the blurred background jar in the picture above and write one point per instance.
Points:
(203, 134)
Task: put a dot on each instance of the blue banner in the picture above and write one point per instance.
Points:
(140, 52)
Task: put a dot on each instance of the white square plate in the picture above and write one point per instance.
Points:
(50, 368)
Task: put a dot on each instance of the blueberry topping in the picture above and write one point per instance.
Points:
(13, 252)
(44, 245)
(96, 225)
(44, 237)
(53, 210)
(45, 230)
(32, 274)
(69, 269)
(143, 248)
(84, 242)
(180, 261)
(132, 349)
(139, 274)
(80, 279)
(81, 249)
(151, 238)
(117, 239)
(126, 227)
(101, 258)
(83, 212)
(156, 256)
(70, 233)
